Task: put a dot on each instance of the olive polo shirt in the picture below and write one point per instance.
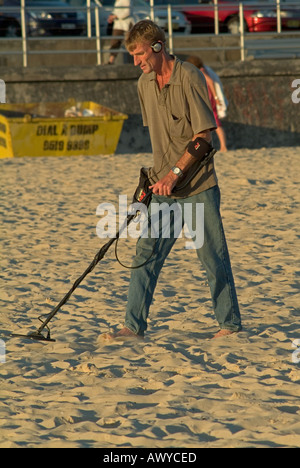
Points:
(174, 115)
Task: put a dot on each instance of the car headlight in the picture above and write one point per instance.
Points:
(40, 15)
(264, 14)
(81, 16)
(287, 14)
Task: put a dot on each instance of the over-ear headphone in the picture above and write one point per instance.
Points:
(156, 47)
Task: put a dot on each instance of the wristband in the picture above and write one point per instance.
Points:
(198, 148)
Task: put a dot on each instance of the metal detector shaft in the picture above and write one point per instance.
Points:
(37, 335)
(96, 260)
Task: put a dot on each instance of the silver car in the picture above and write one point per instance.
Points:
(141, 10)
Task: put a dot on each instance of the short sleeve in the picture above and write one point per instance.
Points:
(201, 113)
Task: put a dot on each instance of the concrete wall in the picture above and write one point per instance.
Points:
(261, 111)
(81, 51)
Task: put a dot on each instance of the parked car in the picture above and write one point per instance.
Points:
(141, 10)
(43, 18)
(259, 15)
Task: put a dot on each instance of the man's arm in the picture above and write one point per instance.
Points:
(165, 185)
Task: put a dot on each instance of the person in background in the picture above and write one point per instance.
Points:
(213, 97)
(122, 20)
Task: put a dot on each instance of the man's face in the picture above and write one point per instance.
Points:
(145, 58)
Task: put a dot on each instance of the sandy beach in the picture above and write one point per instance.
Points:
(177, 388)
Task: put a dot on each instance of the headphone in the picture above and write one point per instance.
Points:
(156, 47)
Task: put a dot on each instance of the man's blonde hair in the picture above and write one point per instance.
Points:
(144, 31)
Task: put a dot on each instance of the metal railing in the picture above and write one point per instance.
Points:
(247, 40)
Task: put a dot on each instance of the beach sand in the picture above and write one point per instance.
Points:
(177, 388)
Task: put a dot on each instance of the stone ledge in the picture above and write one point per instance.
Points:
(129, 72)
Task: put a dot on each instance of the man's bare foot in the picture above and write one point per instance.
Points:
(223, 332)
(123, 334)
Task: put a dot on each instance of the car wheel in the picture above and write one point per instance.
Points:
(12, 30)
(233, 25)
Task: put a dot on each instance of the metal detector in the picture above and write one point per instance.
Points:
(38, 335)
(142, 195)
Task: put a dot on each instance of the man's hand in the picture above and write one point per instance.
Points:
(111, 18)
(165, 185)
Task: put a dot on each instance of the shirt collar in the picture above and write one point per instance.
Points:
(175, 77)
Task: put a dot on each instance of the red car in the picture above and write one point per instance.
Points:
(259, 16)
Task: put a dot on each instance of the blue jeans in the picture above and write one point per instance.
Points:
(213, 255)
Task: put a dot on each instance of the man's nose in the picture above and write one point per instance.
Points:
(136, 60)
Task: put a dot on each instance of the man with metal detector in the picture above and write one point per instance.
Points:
(175, 107)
